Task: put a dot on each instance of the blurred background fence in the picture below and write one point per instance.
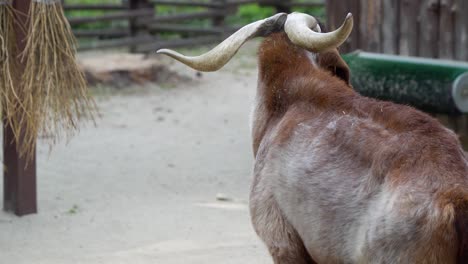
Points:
(147, 25)
(425, 28)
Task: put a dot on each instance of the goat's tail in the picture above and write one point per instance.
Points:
(461, 227)
(455, 204)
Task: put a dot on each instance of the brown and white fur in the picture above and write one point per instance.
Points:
(341, 178)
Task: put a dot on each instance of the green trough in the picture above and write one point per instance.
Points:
(431, 85)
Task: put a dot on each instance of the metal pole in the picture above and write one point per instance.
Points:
(19, 179)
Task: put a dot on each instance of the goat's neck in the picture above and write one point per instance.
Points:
(288, 76)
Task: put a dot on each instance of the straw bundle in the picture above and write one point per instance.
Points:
(53, 91)
(8, 63)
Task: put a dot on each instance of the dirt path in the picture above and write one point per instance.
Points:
(141, 186)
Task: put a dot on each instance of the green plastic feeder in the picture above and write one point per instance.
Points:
(431, 85)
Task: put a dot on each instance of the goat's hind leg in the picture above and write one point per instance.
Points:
(281, 239)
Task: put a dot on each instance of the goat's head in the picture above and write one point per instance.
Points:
(305, 31)
(302, 30)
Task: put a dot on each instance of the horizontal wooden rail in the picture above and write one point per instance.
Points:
(184, 3)
(187, 16)
(276, 3)
(305, 4)
(72, 7)
(104, 33)
(144, 28)
(203, 4)
(291, 3)
(157, 27)
(240, 2)
(123, 42)
(236, 2)
(178, 43)
(115, 16)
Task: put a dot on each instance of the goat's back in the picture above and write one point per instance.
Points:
(355, 190)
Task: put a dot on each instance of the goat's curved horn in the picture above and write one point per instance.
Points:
(220, 55)
(299, 27)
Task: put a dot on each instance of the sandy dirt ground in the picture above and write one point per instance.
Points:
(141, 186)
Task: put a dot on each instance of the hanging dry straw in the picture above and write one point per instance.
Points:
(53, 94)
(9, 77)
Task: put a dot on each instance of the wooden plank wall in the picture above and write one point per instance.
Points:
(424, 28)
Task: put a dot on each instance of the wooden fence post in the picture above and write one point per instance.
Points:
(447, 35)
(136, 28)
(281, 6)
(19, 176)
(336, 12)
(429, 18)
(219, 19)
(461, 30)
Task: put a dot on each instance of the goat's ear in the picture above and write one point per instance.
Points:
(331, 61)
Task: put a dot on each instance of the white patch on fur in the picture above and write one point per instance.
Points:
(311, 55)
(304, 125)
(313, 58)
(332, 125)
(253, 107)
(369, 227)
(254, 110)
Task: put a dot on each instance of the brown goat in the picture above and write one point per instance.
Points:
(341, 178)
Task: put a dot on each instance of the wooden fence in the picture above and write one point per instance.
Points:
(144, 27)
(423, 28)
(426, 28)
